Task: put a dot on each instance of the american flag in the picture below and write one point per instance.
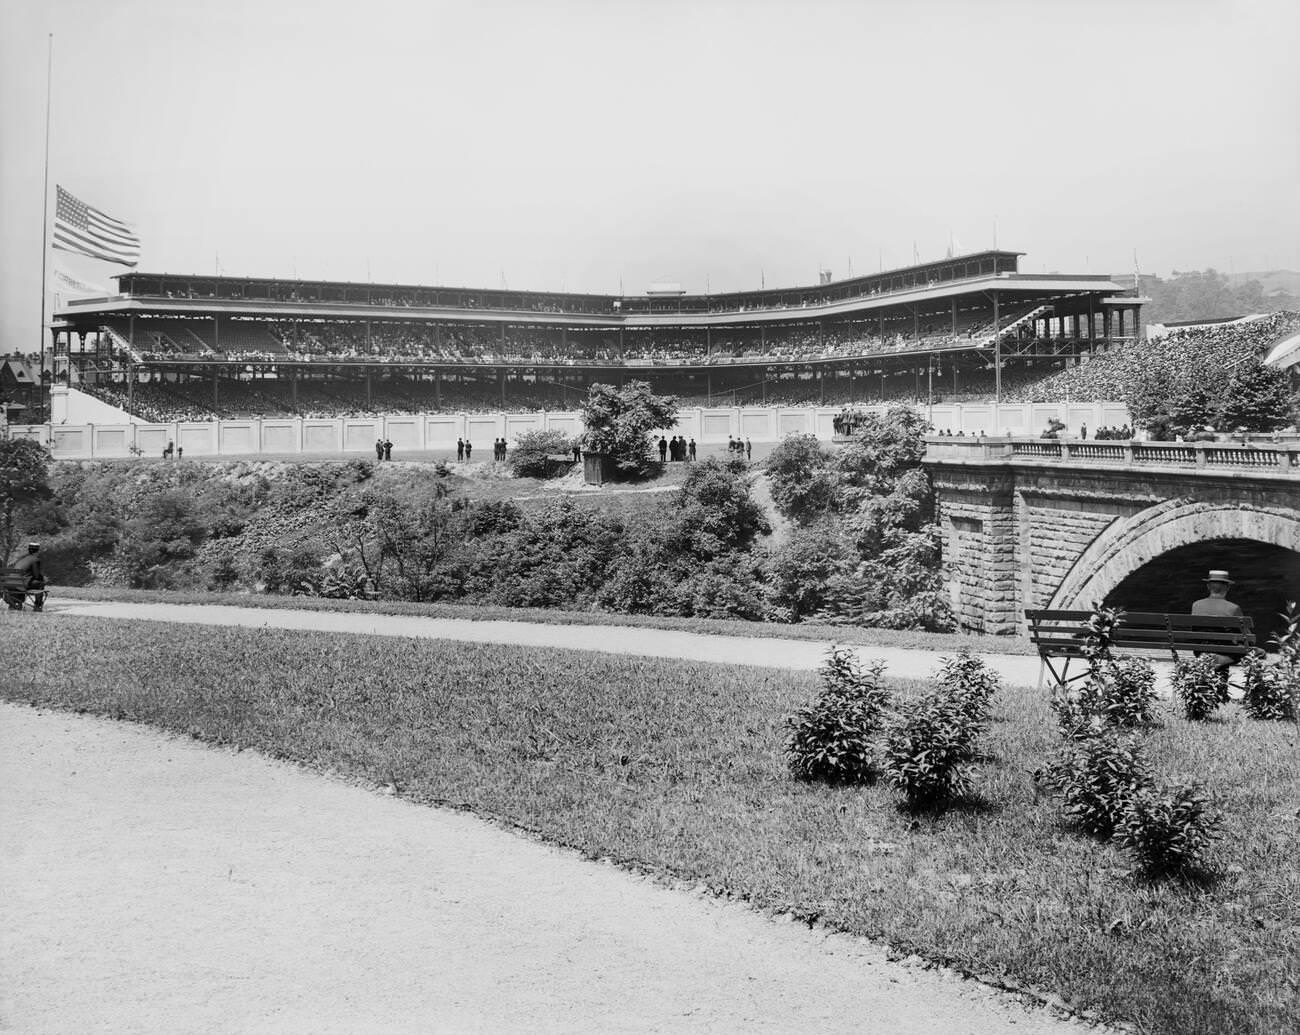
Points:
(83, 229)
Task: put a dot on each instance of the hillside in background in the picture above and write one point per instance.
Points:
(1275, 282)
(1212, 295)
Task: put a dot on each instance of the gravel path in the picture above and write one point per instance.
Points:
(1015, 669)
(152, 884)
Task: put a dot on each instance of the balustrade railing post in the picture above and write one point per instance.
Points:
(1202, 458)
(1130, 453)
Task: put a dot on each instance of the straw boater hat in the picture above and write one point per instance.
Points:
(1217, 575)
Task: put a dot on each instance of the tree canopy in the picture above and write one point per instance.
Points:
(24, 480)
(619, 422)
(1221, 383)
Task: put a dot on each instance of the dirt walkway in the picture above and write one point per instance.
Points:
(1015, 669)
(152, 884)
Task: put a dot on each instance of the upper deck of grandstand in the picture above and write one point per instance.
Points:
(177, 295)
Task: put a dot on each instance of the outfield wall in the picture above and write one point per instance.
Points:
(355, 436)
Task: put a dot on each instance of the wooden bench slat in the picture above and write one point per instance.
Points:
(1065, 634)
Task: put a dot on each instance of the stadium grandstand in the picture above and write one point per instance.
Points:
(177, 347)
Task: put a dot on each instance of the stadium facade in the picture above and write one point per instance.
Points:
(228, 344)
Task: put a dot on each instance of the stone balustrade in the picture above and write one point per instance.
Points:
(1263, 457)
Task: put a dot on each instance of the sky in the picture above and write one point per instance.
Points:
(593, 146)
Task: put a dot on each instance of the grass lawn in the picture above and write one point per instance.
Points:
(848, 634)
(677, 768)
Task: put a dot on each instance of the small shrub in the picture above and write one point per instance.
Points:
(1200, 686)
(529, 457)
(970, 685)
(926, 751)
(1168, 829)
(1269, 693)
(1101, 632)
(832, 738)
(1097, 777)
(1118, 692)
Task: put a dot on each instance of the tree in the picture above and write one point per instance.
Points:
(715, 514)
(531, 456)
(167, 529)
(802, 478)
(619, 422)
(24, 480)
(885, 446)
(1217, 380)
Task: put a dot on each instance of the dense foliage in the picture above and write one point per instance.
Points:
(531, 455)
(618, 423)
(423, 533)
(1106, 782)
(23, 484)
(833, 738)
(866, 549)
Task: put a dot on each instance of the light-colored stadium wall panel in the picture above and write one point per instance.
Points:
(281, 436)
(238, 437)
(403, 433)
(442, 432)
(521, 423)
(198, 439)
(72, 441)
(413, 433)
(758, 425)
(715, 425)
(569, 423)
(359, 435)
(152, 439)
(113, 440)
(792, 422)
(326, 436)
(480, 431)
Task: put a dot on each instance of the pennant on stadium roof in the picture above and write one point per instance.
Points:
(66, 283)
(85, 230)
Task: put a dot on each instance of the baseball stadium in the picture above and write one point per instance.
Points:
(171, 347)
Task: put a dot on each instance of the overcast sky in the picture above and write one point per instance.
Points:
(714, 142)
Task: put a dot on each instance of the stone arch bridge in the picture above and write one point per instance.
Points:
(1067, 524)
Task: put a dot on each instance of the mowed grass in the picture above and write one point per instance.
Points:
(677, 768)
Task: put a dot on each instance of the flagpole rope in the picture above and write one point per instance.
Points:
(45, 219)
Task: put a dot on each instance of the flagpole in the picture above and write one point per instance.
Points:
(45, 218)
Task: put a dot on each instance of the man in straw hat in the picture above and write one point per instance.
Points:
(1218, 604)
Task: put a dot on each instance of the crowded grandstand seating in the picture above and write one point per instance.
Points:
(468, 343)
(739, 365)
(1107, 375)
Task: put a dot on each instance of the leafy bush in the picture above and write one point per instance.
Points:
(1168, 829)
(1118, 692)
(969, 684)
(1200, 686)
(1269, 693)
(24, 480)
(715, 513)
(618, 423)
(802, 568)
(832, 738)
(1127, 692)
(166, 530)
(529, 458)
(802, 478)
(926, 749)
(1097, 777)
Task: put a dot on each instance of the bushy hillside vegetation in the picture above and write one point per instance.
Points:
(423, 533)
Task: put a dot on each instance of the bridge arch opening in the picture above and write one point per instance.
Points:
(1264, 576)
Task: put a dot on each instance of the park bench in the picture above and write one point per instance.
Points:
(14, 591)
(1062, 637)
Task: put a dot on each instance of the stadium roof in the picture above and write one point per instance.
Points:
(1286, 353)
